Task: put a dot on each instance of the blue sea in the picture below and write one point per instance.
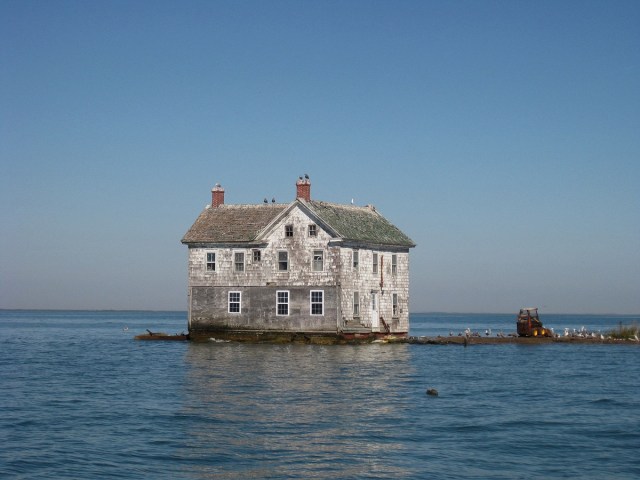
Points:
(81, 399)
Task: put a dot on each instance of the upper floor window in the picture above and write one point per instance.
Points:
(317, 302)
(355, 257)
(234, 302)
(282, 302)
(288, 230)
(313, 231)
(257, 255)
(394, 264)
(356, 304)
(211, 261)
(239, 261)
(318, 260)
(283, 261)
(394, 303)
(375, 263)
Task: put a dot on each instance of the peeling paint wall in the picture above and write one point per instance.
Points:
(260, 279)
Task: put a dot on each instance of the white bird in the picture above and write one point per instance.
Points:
(125, 329)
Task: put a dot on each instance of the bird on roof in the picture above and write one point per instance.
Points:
(306, 176)
(273, 200)
(265, 200)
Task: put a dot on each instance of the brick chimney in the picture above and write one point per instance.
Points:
(303, 188)
(217, 196)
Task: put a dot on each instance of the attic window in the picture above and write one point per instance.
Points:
(313, 231)
(288, 230)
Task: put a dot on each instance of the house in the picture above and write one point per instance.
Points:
(307, 270)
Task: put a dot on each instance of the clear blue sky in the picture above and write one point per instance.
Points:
(502, 136)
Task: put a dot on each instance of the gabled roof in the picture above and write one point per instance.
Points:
(232, 223)
(359, 224)
(248, 223)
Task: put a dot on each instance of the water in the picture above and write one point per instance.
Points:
(81, 399)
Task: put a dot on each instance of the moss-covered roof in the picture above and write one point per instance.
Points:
(360, 224)
(244, 223)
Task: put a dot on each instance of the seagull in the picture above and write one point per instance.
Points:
(487, 332)
(125, 329)
(306, 177)
(265, 200)
(273, 200)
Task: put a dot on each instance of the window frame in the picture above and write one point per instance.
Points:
(208, 262)
(314, 261)
(374, 261)
(238, 302)
(315, 303)
(257, 255)
(236, 263)
(288, 231)
(313, 230)
(279, 303)
(355, 259)
(394, 264)
(286, 252)
(395, 306)
(356, 304)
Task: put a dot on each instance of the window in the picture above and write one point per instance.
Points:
(239, 261)
(356, 304)
(317, 302)
(288, 230)
(211, 261)
(313, 232)
(283, 261)
(257, 256)
(318, 260)
(234, 302)
(375, 263)
(394, 264)
(394, 302)
(282, 302)
(356, 259)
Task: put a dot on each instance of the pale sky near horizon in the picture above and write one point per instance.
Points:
(502, 136)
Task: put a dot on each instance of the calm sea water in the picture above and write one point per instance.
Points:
(81, 399)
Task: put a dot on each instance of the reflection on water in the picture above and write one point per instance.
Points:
(297, 410)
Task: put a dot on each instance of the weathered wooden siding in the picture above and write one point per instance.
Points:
(384, 283)
(209, 310)
(261, 279)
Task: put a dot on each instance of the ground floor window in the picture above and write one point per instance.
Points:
(356, 304)
(282, 302)
(394, 302)
(317, 302)
(234, 302)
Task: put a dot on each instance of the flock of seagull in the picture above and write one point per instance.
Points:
(571, 333)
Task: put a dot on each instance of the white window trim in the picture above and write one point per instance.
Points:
(278, 260)
(313, 261)
(206, 261)
(239, 302)
(311, 303)
(244, 262)
(278, 303)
